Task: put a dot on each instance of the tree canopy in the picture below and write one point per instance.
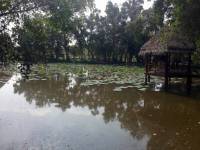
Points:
(75, 30)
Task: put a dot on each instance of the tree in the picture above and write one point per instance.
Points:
(133, 35)
(136, 37)
(180, 15)
(32, 40)
(64, 17)
(132, 9)
(12, 10)
(186, 14)
(58, 13)
(6, 48)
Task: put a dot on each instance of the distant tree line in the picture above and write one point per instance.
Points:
(75, 30)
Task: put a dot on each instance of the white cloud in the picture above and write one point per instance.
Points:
(148, 4)
(101, 4)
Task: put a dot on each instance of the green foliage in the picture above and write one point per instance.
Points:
(182, 16)
(60, 30)
(11, 11)
(47, 35)
(196, 56)
(92, 74)
(187, 16)
(32, 39)
(6, 48)
(116, 37)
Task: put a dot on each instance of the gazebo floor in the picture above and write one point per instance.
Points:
(173, 74)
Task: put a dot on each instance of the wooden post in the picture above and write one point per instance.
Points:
(189, 75)
(169, 69)
(146, 69)
(149, 78)
(149, 61)
(166, 71)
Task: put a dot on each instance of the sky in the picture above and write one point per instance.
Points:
(101, 4)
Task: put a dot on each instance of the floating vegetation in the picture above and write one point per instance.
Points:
(142, 89)
(93, 75)
(119, 89)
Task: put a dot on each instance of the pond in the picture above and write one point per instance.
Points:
(74, 112)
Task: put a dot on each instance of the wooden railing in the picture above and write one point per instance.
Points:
(178, 70)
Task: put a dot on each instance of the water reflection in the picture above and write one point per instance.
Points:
(3, 79)
(154, 120)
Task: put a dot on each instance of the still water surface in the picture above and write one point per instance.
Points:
(63, 115)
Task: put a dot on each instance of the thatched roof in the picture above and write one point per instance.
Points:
(167, 41)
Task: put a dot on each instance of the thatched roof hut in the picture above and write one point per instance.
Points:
(167, 41)
(162, 56)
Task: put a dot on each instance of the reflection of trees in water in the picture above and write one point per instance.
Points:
(24, 69)
(3, 79)
(175, 122)
(42, 92)
(116, 106)
(165, 115)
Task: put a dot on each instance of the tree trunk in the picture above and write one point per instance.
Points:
(130, 59)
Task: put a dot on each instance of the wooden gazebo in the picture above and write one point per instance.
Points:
(168, 55)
